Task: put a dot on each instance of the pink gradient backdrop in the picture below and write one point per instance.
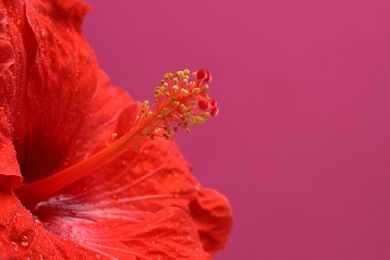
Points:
(301, 147)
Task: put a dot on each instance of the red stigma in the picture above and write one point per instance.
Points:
(203, 104)
(214, 111)
(203, 75)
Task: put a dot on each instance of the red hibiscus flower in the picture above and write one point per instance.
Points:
(85, 171)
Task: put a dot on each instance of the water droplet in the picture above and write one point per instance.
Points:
(114, 198)
(24, 241)
(43, 32)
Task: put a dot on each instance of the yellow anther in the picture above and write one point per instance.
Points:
(186, 72)
(199, 120)
(148, 114)
(180, 74)
(175, 88)
(168, 75)
(157, 130)
(185, 82)
(176, 103)
(196, 90)
(175, 81)
(205, 87)
(148, 132)
(206, 115)
(164, 112)
(183, 107)
(184, 91)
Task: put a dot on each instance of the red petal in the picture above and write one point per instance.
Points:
(130, 190)
(168, 234)
(9, 168)
(72, 106)
(61, 105)
(12, 72)
(21, 236)
(213, 218)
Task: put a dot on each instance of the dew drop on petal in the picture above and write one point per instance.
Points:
(24, 241)
(114, 198)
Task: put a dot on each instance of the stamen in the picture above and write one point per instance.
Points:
(179, 103)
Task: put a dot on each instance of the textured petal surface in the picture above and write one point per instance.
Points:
(13, 67)
(213, 219)
(60, 105)
(131, 190)
(21, 235)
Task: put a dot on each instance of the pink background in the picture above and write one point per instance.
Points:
(301, 147)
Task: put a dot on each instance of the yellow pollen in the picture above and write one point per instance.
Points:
(168, 75)
(184, 91)
(196, 90)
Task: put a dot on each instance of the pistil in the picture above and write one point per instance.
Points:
(179, 103)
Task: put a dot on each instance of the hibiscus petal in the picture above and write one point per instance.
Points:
(9, 168)
(133, 188)
(13, 69)
(167, 234)
(213, 219)
(72, 106)
(22, 236)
